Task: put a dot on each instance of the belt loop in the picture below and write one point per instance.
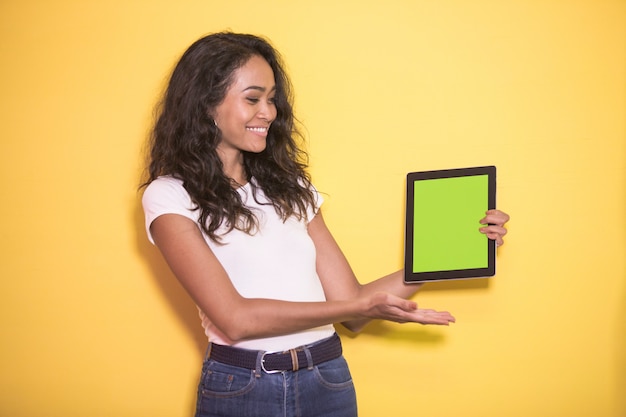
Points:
(295, 365)
(259, 364)
(207, 355)
(309, 358)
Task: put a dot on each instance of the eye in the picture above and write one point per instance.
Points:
(271, 100)
(252, 100)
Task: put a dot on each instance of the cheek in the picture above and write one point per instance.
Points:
(227, 120)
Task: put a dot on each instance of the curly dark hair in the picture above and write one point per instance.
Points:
(184, 139)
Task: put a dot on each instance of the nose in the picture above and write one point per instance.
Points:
(267, 112)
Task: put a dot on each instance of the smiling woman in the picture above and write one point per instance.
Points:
(232, 209)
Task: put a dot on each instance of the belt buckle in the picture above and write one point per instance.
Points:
(275, 371)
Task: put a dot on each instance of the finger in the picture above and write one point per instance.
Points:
(403, 304)
(493, 230)
(444, 315)
(406, 305)
(435, 317)
(498, 213)
(498, 221)
(494, 233)
(442, 321)
(497, 237)
(496, 217)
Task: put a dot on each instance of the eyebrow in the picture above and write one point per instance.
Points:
(258, 88)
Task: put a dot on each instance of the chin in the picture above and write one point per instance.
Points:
(258, 148)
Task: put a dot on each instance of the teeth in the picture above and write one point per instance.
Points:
(257, 129)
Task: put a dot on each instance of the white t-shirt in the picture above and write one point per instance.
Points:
(276, 262)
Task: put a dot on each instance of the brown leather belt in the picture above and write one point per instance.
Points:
(290, 360)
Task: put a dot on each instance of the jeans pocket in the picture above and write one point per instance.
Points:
(220, 380)
(334, 374)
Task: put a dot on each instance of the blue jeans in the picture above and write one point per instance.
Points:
(325, 390)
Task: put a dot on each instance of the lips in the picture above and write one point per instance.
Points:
(257, 129)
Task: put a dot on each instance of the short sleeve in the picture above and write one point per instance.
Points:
(166, 195)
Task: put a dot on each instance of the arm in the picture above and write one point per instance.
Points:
(194, 264)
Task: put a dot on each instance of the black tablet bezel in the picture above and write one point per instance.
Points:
(490, 246)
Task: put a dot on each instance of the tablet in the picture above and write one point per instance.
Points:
(443, 209)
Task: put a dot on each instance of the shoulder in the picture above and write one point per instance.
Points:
(164, 188)
(167, 195)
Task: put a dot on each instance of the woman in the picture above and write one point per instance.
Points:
(230, 206)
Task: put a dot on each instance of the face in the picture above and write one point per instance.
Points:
(245, 114)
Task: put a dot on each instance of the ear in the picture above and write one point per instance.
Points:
(212, 118)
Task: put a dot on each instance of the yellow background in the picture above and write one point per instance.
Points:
(93, 324)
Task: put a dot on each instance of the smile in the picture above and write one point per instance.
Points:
(257, 129)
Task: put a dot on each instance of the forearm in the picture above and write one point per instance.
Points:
(258, 318)
(393, 284)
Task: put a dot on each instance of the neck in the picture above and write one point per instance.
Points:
(233, 167)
